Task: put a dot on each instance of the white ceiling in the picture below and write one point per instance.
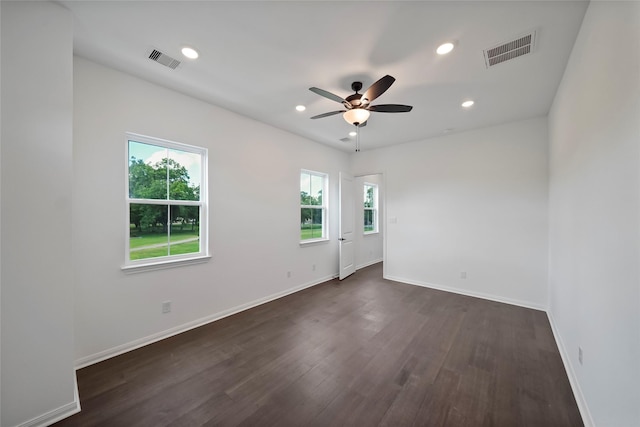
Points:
(259, 58)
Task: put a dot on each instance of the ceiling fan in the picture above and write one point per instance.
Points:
(358, 106)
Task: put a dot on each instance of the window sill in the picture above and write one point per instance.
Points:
(369, 233)
(313, 242)
(160, 265)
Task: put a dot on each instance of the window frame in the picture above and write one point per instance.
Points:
(374, 209)
(324, 206)
(168, 261)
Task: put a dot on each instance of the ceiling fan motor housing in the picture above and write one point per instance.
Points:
(355, 100)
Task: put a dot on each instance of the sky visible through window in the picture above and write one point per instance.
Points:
(151, 154)
(312, 185)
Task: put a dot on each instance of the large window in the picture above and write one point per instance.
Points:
(313, 206)
(166, 201)
(370, 208)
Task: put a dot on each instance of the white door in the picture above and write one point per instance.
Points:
(347, 250)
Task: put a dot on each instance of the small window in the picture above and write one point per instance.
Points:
(370, 208)
(166, 201)
(313, 206)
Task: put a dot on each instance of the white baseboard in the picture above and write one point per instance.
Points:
(367, 264)
(58, 414)
(489, 297)
(132, 345)
(573, 379)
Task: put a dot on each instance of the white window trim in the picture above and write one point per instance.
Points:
(314, 242)
(170, 261)
(376, 213)
(324, 207)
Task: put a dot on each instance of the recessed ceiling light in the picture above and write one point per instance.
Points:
(467, 104)
(300, 107)
(444, 48)
(353, 133)
(190, 52)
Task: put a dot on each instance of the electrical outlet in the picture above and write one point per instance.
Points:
(288, 274)
(580, 355)
(166, 307)
(313, 267)
(463, 275)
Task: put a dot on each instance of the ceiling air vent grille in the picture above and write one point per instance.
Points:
(510, 50)
(163, 59)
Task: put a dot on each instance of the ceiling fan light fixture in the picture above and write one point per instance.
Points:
(356, 115)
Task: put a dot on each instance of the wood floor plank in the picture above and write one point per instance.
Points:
(361, 352)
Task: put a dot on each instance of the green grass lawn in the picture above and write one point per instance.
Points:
(180, 248)
(155, 238)
(311, 232)
(146, 239)
(149, 239)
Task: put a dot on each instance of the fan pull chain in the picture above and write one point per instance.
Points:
(357, 138)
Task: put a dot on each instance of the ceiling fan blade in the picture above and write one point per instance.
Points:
(390, 108)
(361, 125)
(378, 88)
(332, 113)
(330, 96)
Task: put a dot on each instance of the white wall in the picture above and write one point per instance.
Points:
(36, 174)
(594, 214)
(368, 246)
(473, 202)
(254, 175)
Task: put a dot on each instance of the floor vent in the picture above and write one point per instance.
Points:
(512, 49)
(163, 59)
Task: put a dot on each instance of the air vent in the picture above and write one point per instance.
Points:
(506, 51)
(163, 59)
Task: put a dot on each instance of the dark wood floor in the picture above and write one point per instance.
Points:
(361, 352)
